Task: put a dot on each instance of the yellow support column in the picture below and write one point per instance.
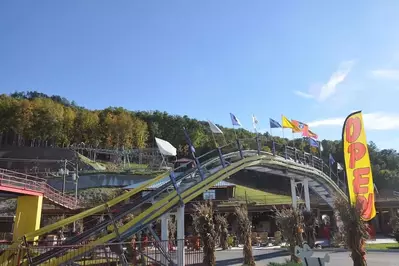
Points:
(27, 218)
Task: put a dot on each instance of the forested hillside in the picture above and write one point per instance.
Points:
(36, 119)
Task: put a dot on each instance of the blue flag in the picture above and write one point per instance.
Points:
(234, 120)
(274, 124)
(331, 159)
(313, 143)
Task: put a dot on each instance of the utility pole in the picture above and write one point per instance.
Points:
(76, 179)
(64, 177)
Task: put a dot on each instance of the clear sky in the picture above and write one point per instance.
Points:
(314, 61)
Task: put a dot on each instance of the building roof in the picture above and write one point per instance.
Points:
(221, 184)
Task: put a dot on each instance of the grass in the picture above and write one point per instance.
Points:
(260, 197)
(383, 246)
(110, 167)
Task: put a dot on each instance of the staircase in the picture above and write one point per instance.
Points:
(28, 184)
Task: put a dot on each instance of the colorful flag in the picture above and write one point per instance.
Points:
(274, 124)
(234, 120)
(312, 135)
(299, 127)
(286, 123)
(214, 128)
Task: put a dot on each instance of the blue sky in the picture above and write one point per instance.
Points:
(314, 61)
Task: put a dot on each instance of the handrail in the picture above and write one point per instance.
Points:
(36, 184)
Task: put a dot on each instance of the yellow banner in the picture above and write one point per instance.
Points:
(357, 165)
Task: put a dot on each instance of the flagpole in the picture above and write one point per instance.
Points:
(214, 140)
(235, 133)
(282, 125)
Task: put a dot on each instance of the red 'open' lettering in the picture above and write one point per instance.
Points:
(361, 178)
(366, 205)
(356, 152)
(353, 129)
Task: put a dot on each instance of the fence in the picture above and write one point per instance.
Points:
(132, 253)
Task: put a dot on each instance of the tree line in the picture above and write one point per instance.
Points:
(36, 119)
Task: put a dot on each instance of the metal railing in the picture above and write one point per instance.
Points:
(134, 252)
(31, 183)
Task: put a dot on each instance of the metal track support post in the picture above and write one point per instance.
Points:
(274, 148)
(122, 257)
(165, 236)
(257, 144)
(306, 191)
(173, 179)
(221, 157)
(293, 193)
(180, 236)
(239, 148)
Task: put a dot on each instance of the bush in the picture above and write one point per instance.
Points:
(287, 263)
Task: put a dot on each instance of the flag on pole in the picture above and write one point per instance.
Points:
(214, 128)
(286, 123)
(313, 143)
(274, 124)
(313, 135)
(339, 167)
(234, 120)
(331, 159)
(254, 121)
(299, 127)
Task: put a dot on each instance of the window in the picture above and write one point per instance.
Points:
(210, 194)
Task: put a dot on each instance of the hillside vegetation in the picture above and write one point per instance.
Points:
(36, 119)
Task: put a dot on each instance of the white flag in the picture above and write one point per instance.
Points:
(214, 128)
(254, 121)
(321, 146)
(339, 167)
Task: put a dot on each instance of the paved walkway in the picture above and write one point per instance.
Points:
(264, 257)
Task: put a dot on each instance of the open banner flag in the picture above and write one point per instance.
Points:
(357, 165)
(214, 128)
(234, 120)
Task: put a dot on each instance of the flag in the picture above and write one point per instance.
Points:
(312, 135)
(331, 159)
(214, 128)
(274, 124)
(313, 143)
(234, 120)
(321, 146)
(286, 123)
(339, 167)
(299, 127)
(254, 121)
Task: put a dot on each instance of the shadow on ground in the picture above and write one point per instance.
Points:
(261, 257)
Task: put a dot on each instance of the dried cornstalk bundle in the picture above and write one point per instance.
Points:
(244, 230)
(290, 223)
(310, 223)
(222, 231)
(204, 226)
(356, 230)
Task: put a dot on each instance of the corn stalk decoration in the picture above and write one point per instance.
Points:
(222, 231)
(205, 227)
(290, 223)
(310, 223)
(356, 230)
(244, 230)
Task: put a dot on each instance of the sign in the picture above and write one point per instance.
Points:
(357, 165)
(210, 194)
